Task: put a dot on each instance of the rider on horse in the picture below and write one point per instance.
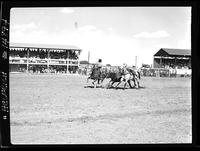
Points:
(99, 64)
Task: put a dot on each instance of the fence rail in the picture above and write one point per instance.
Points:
(162, 72)
(43, 61)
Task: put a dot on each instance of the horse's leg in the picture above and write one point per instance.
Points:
(138, 85)
(95, 85)
(88, 79)
(118, 84)
(129, 82)
(138, 74)
(112, 83)
(101, 81)
(125, 84)
(122, 79)
(134, 82)
(94, 81)
(109, 83)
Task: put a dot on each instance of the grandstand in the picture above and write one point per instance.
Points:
(42, 58)
(170, 63)
(174, 58)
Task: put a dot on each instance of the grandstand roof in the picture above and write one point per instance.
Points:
(173, 52)
(50, 46)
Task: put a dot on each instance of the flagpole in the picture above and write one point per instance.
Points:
(136, 61)
(88, 58)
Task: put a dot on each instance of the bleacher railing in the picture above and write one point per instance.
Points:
(18, 60)
(162, 72)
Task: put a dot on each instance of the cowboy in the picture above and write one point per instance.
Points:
(99, 64)
(124, 68)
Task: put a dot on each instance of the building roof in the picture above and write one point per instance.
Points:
(49, 46)
(173, 52)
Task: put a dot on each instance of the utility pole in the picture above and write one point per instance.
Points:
(136, 61)
(87, 69)
(88, 57)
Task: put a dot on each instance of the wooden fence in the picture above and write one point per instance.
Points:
(162, 72)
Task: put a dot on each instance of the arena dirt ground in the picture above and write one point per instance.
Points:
(64, 109)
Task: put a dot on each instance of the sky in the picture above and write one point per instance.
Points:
(114, 34)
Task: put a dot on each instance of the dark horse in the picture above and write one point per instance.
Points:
(98, 74)
(116, 76)
(126, 75)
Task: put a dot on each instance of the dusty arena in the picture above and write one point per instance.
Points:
(64, 109)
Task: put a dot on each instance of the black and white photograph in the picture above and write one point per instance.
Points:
(100, 75)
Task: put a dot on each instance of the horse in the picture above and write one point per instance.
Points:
(115, 76)
(128, 74)
(98, 74)
(136, 76)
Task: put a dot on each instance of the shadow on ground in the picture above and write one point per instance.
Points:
(115, 88)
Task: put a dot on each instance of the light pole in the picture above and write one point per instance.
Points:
(136, 61)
